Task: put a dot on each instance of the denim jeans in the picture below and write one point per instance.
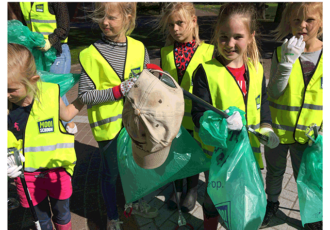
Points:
(109, 175)
(60, 210)
(62, 65)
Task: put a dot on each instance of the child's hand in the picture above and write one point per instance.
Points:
(273, 139)
(292, 49)
(46, 47)
(13, 170)
(126, 86)
(234, 122)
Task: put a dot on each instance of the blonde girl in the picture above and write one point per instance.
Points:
(295, 92)
(106, 77)
(35, 111)
(182, 53)
(234, 78)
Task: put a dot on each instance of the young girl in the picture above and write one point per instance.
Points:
(107, 66)
(184, 51)
(35, 111)
(234, 78)
(295, 92)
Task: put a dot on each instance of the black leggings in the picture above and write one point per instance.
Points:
(60, 209)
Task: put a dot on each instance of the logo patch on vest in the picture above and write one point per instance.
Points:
(321, 82)
(40, 8)
(225, 209)
(134, 72)
(46, 126)
(258, 101)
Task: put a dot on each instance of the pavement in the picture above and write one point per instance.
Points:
(87, 206)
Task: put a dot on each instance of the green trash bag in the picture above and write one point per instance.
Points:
(309, 183)
(185, 159)
(65, 81)
(20, 34)
(235, 183)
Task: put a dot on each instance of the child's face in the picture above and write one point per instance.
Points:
(305, 24)
(112, 24)
(179, 28)
(233, 39)
(16, 92)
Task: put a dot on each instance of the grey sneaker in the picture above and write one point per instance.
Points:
(143, 209)
(114, 224)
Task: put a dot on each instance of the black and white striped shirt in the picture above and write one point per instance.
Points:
(115, 54)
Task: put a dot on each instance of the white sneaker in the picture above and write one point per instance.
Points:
(114, 224)
(143, 209)
(73, 130)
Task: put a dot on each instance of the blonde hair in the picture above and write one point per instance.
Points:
(186, 10)
(21, 67)
(248, 14)
(291, 10)
(125, 9)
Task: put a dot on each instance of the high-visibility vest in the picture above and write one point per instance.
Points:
(39, 19)
(202, 54)
(105, 119)
(226, 92)
(46, 144)
(299, 106)
(12, 142)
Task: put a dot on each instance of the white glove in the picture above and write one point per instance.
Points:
(46, 47)
(273, 139)
(234, 122)
(292, 49)
(13, 170)
(126, 86)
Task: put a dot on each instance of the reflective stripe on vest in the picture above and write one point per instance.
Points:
(202, 54)
(106, 119)
(225, 92)
(38, 18)
(299, 106)
(46, 144)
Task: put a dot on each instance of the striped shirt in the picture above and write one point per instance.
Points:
(115, 54)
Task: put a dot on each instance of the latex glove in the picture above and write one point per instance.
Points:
(292, 49)
(273, 139)
(46, 47)
(126, 86)
(13, 170)
(234, 122)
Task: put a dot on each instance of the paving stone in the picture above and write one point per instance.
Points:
(289, 195)
(287, 204)
(141, 221)
(78, 221)
(150, 226)
(164, 214)
(292, 187)
(168, 225)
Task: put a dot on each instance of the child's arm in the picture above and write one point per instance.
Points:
(70, 111)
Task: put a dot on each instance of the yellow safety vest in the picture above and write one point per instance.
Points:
(46, 144)
(299, 106)
(202, 54)
(39, 19)
(105, 119)
(12, 142)
(226, 92)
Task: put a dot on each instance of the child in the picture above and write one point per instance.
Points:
(52, 20)
(295, 93)
(35, 111)
(105, 79)
(234, 78)
(184, 51)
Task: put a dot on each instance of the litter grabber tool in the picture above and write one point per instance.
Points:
(194, 98)
(26, 191)
(181, 221)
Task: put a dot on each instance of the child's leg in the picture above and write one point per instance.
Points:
(110, 173)
(44, 216)
(296, 153)
(61, 213)
(275, 165)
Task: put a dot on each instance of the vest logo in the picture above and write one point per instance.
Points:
(46, 126)
(224, 209)
(321, 82)
(134, 72)
(258, 101)
(40, 8)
